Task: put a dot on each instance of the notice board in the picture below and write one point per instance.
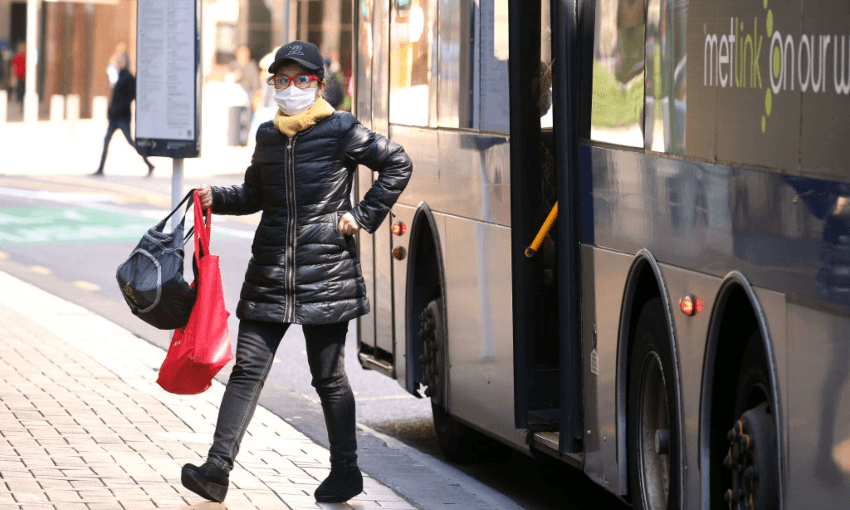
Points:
(168, 78)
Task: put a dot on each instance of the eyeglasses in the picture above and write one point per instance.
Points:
(302, 81)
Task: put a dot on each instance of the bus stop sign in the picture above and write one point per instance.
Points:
(168, 78)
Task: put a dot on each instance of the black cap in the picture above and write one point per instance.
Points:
(300, 52)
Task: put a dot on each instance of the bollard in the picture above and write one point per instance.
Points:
(4, 98)
(72, 112)
(57, 108)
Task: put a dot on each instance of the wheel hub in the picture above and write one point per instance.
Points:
(751, 458)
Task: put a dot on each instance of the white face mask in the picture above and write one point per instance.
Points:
(293, 100)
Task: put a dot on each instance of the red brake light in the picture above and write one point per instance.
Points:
(690, 305)
(399, 228)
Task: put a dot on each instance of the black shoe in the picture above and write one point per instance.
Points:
(99, 173)
(207, 481)
(150, 170)
(340, 486)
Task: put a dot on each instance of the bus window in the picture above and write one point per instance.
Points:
(618, 73)
(454, 76)
(493, 96)
(665, 77)
(411, 35)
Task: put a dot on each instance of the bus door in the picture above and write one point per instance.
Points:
(547, 364)
(375, 330)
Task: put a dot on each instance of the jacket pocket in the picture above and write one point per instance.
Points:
(333, 218)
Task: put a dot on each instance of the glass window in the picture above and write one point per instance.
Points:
(493, 81)
(618, 73)
(455, 49)
(666, 47)
(411, 35)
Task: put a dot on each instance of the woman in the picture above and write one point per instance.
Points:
(304, 269)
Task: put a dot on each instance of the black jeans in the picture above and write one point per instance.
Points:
(114, 125)
(255, 349)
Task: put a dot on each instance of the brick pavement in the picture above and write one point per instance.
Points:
(84, 426)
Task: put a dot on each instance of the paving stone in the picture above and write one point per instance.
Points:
(74, 435)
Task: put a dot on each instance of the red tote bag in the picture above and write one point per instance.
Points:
(201, 348)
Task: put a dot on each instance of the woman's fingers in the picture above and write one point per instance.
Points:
(347, 225)
(205, 195)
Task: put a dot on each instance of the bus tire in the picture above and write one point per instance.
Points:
(457, 441)
(653, 444)
(751, 463)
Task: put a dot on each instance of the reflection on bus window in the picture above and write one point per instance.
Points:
(494, 99)
(666, 60)
(618, 73)
(411, 33)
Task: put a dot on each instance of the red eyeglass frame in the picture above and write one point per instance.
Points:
(291, 79)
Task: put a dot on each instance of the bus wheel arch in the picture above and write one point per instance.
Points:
(425, 283)
(651, 429)
(740, 409)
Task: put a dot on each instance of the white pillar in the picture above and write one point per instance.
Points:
(30, 94)
(72, 113)
(57, 108)
(4, 98)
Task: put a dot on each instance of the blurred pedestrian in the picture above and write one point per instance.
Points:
(246, 73)
(119, 113)
(112, 68)
(336, 89)
(304, 267)
(19, 72)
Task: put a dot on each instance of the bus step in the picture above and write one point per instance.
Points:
(544, 420)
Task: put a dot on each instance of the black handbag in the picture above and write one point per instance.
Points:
(151, 279)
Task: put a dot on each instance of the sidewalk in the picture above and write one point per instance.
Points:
(74, 147)
(83, 424)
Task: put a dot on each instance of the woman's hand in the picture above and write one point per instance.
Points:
(347, 226)
(205, 195)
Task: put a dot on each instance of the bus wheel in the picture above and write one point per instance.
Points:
(751, 456)
(652, 417)
(456, 440)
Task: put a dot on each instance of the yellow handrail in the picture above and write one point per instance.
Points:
(547, 226)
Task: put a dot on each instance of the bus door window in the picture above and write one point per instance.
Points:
(546, 351)
(618, 73)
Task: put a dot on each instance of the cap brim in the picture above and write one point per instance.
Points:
(277, 64)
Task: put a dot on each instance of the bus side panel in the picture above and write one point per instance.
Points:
(403, 214)
(691, 334)
(819, 409)
(481, 386)
(366, 252)
(605, 435)
(427, 183)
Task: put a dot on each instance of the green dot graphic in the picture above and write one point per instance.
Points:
(763, 124)
(765, 4)
(769, 22)
(768, 101)
(777, 62)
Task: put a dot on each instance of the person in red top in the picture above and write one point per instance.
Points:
(19, 71)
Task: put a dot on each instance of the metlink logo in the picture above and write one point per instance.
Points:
(734, 60)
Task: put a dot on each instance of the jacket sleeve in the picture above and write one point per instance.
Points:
(365, 147)
(245, 198)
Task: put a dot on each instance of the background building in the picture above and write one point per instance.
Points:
(75, 39)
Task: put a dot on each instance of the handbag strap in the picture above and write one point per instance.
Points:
(203, 222)
(161, 224)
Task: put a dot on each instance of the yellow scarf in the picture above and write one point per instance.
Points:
(292, 125)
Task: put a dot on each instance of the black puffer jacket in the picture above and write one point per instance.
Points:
(303, 270)
(123, 94)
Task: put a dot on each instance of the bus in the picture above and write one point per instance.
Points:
(681, 334)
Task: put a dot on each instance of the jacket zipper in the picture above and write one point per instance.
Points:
(289, 274)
